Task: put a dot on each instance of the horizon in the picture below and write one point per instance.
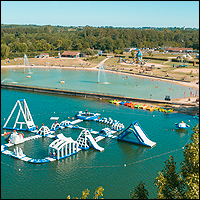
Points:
(125, 14)
(98, 26)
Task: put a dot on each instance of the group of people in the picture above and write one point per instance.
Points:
(52, 155)
(20, 134)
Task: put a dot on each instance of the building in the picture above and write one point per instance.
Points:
(70, 54)
(81, 55)
(179, 50)
(44, 55)
(100, 53)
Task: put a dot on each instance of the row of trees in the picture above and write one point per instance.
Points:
(29, 38)
(170, 183)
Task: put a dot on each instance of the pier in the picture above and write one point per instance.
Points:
(85, 94)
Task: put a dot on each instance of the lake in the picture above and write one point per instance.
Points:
(118, 169)
(85, 80)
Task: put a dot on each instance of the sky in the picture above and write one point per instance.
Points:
(102, 13)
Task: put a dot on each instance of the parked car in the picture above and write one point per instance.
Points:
(167, 98)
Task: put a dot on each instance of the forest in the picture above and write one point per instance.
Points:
(31, 39)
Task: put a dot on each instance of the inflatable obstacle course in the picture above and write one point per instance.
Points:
(63, 146)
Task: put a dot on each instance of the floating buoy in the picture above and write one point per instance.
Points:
(19, 169)
(124, 165)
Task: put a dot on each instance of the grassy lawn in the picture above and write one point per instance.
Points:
(112, 61)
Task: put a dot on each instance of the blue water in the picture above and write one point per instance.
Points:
(88, 169)
(84, 80)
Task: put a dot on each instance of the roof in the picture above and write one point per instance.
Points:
(178, 49)
(70, 53)
(44, 53)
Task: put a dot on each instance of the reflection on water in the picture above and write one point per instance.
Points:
(181, 131)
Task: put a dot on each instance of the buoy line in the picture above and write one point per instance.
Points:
(101, 166)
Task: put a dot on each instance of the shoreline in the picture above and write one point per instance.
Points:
(190, 84)
(181, 108)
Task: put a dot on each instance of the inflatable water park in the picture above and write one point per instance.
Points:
(62, 146)
(182, 125)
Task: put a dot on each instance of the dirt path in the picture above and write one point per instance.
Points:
(102, 61)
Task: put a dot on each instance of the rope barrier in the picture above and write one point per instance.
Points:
(119, 165)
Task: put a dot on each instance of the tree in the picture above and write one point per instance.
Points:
(184, 185)
(177, 185)
(133, 53)
(121, 51)
(89, 51)
(4, 51)
(98, 193)
(150, 53)
(116, 51)
(102, 38)
(190, 166)
(140, 192)
(66, 44)
(46, 47)
(86, 45)
(169, 183)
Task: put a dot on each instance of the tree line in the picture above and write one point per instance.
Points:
(33, 38)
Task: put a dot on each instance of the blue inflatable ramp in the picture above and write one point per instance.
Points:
(135, 134)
